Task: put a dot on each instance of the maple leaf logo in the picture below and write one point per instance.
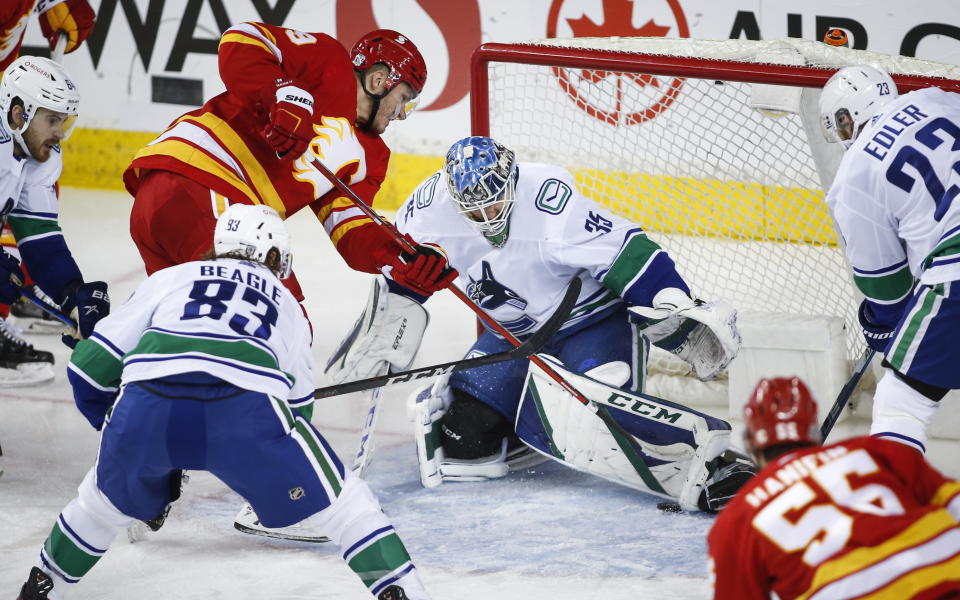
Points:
(617, 97)
(618, 18)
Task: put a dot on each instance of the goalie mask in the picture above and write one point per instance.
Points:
(482, 178)
(851, 98)
(251, 232)
(781, 410)
(38, 83)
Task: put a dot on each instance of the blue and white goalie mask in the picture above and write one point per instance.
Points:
(482, 178)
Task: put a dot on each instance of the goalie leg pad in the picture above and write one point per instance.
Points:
(459, 438)
(675, 442)
(387, 334)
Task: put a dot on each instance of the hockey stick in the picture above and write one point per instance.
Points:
(482, 314)
(47, 308)
(843, 398)
(532, 345)
(546, 331)
(50, 310)
(57, 53)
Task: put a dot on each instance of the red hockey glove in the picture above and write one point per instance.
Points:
(424, 271)
(291, 119)
(74, 17)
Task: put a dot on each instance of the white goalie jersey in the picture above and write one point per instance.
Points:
(554, 234)
(893, 197)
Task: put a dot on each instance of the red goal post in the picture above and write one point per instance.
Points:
(712, 146)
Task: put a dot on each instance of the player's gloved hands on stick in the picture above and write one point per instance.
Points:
(11, 278)
(73, 17)
(877, 335)
(291, 118)
(86, 303)
(424, 271)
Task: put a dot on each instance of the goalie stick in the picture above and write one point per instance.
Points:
(843, 398)
(482, 314)
(531, 346)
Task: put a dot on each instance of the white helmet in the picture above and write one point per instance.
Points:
(39, 83)
(850, 98)
(251, 231)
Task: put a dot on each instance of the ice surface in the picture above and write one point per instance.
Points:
(547, 533)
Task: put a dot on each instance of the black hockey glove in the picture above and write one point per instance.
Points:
(86, 303)
(11, 278)
(877, 336)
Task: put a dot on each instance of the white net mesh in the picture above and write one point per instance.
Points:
(732, 192)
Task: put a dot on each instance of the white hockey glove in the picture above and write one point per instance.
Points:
(387, 334)
(703, 334)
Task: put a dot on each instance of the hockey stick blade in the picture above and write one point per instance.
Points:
(843, 398)
(532, 345)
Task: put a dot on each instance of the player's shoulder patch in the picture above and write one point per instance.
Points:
(553, 196)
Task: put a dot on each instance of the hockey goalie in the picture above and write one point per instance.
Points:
(517, 234)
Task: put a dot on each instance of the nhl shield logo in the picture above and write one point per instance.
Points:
(296, 493)
(617, 98)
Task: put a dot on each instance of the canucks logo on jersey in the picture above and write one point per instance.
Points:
(492, 295)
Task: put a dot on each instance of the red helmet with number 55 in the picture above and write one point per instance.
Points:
(394, 50)
(781, 410)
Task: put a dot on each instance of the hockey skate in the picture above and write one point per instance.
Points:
(37, 587)
(248, 522)
(31, 318)
(20, 363)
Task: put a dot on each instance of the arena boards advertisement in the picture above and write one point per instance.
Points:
(148, 61)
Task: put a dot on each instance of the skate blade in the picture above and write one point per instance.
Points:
(282, 533)
(248, 522)
(39, 326)
(27, 374)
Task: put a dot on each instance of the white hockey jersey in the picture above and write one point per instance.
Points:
(555, 234)
(26, 184)
(893, 197)
(230, 318)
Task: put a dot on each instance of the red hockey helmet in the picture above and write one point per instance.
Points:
(781, 410)
(394, 50)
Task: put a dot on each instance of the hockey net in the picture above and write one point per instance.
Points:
(713, 147)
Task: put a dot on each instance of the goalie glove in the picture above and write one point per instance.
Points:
(388, 333)
(703, 334)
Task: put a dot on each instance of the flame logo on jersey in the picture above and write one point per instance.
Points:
(9, 36)
(335, 144)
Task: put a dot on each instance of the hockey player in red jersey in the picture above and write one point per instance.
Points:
(863, 518)
(291, 97)
(73, 17)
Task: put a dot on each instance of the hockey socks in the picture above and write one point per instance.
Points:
(82, 534)
(368, 543)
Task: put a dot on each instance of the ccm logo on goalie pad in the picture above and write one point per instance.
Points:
(642, 407)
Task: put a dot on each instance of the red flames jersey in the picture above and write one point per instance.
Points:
(13, 24)
(864, 518)
(221, 145)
